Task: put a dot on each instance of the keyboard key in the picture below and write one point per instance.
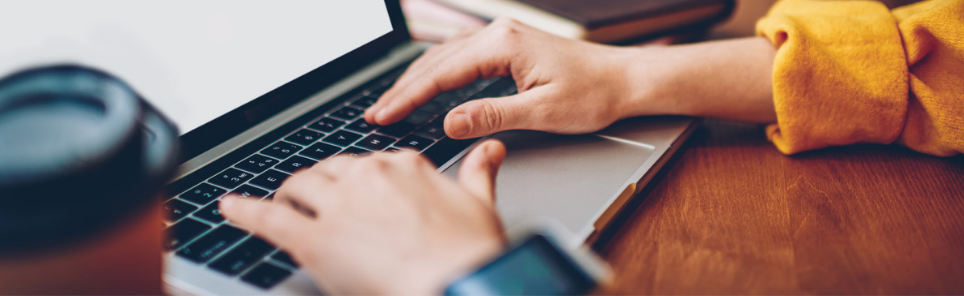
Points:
(230, 178)
(210, 213)
(415, 142)
(432, 131)
(304, 137)
(294, 164)
(342, 138)
(418, 118)
(249, 191)
(320, 151)
(257, 163)
(271, 179)
(456, 97)
(496, 89)
(438, 121)
(376, 142)
(433, 108)
(241, 257)
(355, 151)
(348, 113)
(327, 124)
(397, 130)
(511, 90)
(481, 84)
(446, 149)
(283, 257)
(177, 209)
(486, 82)
(281, 150)
(211, 244)
(361, 126)
(265, 275)
(450, 99)
(183, 232)
(378, 89)
(390, 78)
(364, 101)
(203, 194)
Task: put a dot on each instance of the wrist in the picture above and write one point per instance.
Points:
(442, 265)
(728, 79)
(653, 75)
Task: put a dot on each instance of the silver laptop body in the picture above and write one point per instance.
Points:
(581, 181)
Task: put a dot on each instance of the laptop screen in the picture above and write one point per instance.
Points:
(194, 60)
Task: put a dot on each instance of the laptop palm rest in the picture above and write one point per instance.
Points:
(569, 178)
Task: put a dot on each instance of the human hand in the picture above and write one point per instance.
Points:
(565, 86)
(571, 86)
(386, 223)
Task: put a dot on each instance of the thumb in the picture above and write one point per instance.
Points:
(483, 117)
(479, 170)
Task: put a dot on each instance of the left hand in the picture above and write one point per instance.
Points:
(565, 86)
(386, 223)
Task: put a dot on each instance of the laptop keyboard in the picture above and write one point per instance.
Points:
(197, 231)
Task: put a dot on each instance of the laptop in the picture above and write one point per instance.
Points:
(261, 89)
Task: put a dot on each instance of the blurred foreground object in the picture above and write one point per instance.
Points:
(609, 21)
(83, 157)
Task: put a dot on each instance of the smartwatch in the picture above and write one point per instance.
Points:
(538, 264)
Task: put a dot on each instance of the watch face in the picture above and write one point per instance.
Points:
(535, 267)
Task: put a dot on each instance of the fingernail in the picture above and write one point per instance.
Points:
(460, 125)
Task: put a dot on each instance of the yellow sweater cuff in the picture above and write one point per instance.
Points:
(839, 77)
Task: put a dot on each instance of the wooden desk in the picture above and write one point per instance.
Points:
(731, 215)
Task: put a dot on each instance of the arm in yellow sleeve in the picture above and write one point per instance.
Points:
(855, 72)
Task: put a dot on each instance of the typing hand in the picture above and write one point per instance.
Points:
(386, 223)
(565, 86)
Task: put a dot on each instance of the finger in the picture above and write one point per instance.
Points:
(305, 191)
(333, 165)
(488, 116)
(435, 55)
(456, 71)
(479, 170)
(280, 225)
(465, 32)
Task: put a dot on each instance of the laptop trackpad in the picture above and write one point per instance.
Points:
(569, 178)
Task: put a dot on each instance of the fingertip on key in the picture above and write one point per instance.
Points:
(369, 115)
(382, 116)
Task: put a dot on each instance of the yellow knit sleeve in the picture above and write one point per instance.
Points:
(855, 72)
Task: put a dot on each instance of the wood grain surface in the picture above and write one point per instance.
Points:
(731, 215)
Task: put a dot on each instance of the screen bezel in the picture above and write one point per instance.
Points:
(252, 113)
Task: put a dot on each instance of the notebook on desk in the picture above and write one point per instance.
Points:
(263, 89)
(606, 21)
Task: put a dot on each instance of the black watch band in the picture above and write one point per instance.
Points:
(534, 266)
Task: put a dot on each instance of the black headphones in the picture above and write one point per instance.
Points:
(79, 151)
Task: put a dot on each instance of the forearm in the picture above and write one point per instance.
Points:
(721, 79)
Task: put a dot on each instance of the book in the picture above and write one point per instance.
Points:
(428, 20)
(604, 21)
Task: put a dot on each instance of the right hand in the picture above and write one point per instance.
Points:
(565, 86)
(384, 223)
